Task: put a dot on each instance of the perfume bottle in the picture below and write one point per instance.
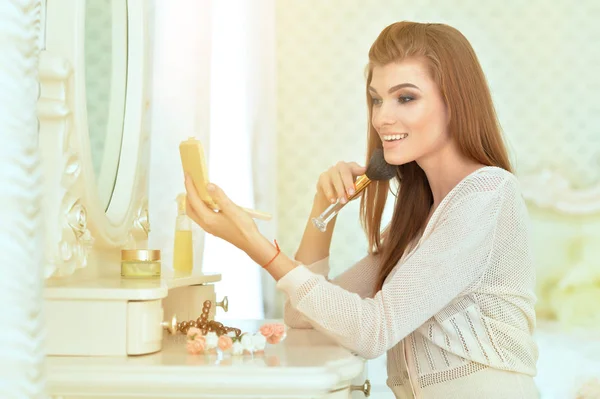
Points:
(183, 251)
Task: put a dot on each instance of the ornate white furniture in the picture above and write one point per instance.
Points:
(306, 364)
(94, 144)
(105, 334)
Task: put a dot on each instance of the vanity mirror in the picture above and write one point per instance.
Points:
(101, 330)
(93, 132)
(105, 46)
(94, 145)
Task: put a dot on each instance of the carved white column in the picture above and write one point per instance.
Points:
(21, 246)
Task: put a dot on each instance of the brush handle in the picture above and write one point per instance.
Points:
(361, 183)
(258, 214)
(324, 218)
(252, 212)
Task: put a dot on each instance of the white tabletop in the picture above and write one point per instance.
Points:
(306, 362)
(114, 287)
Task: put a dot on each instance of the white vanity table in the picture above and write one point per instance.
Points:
(306, 364)
(127, 316)
(106, 335)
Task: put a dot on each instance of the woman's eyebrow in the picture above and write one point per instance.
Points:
(395, 88)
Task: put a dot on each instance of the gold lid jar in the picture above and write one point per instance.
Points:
(140, 263)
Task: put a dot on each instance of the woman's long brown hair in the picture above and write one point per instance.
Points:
(473, 125)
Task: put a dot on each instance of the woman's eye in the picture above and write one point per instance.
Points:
(401, 100)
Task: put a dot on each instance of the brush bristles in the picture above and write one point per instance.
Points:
(378, 168)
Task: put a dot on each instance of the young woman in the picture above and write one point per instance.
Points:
(448, 289)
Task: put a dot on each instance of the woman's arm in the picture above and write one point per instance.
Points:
(314, 253)
(314, 245)
(452, 259)
(360, 279)
(336, 183)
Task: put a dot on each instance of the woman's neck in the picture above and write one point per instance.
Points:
(445, 170)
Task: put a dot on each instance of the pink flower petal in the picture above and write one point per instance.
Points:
(195, 347)
(267, 330)
(273, 339)
(278, 329)
(225, 342)
(193, 332)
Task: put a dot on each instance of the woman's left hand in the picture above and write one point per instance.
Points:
(231, 223)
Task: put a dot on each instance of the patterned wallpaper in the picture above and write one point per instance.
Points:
(536, 55)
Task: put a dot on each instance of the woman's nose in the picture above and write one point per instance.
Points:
(384, 116)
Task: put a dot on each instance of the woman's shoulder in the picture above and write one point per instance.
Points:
(486, 191)
(487, 180)
(483, 186)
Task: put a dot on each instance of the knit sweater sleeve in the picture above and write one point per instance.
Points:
(449, 260)
(359, 279)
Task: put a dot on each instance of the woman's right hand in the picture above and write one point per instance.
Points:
(337, 182)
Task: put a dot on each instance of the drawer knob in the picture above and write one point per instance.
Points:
(170, 326)
(365, 388)
(224, 304)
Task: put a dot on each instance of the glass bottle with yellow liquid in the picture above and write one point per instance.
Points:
(183, 252)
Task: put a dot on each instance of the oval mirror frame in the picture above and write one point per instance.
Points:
(76, 222)
(128, 202)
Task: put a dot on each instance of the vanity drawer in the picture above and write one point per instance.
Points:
(85, 327)
(144, 318)
(144, 329)
(186, 302)
(103, 328)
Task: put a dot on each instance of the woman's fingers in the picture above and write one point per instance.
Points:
(191, 212)
(326, 187)
(337, 183)
(356, 169)
(222, 200)
(347, 180)
(205, 216)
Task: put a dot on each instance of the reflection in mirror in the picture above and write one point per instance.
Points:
(105, 77)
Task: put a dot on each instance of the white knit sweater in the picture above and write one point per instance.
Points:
(459, 302)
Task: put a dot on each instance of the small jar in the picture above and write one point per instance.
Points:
(140, 263)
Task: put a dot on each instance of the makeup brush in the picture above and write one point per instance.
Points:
(377, 169)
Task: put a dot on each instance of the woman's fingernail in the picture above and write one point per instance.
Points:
(210, 187)
(343, 200)
(350, 191)
(332, 200)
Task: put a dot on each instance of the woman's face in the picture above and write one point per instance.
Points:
(408, 113)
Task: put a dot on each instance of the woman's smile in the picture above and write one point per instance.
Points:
(390, 141)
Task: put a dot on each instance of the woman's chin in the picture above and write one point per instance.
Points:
(393, 158)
